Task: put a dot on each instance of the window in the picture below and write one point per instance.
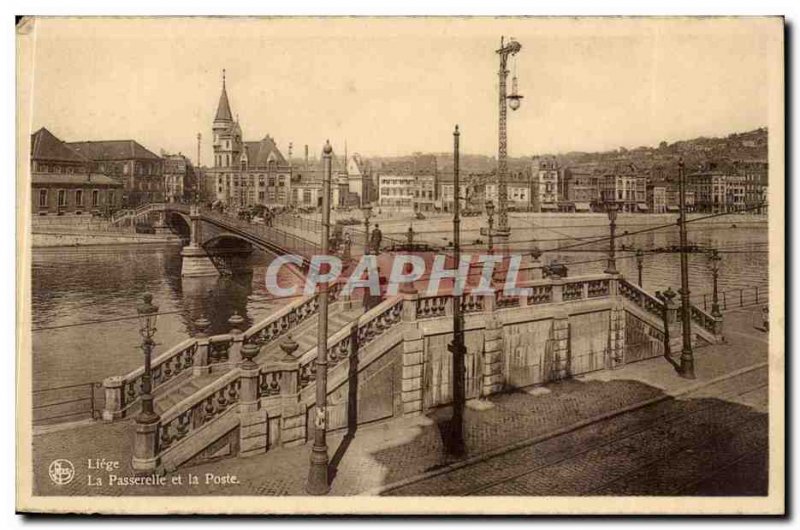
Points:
(79, 197)
(95, 197)
(62, 198)
(43, 198)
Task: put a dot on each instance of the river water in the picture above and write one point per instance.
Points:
(73, 287)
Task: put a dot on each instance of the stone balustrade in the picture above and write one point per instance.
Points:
(196, 356)
(368, 327)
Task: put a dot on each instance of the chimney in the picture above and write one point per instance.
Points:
(306, 170)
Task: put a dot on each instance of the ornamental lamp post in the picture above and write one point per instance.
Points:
(510, 48)
(611, 209)
(317, 483)
(490, 233)
(687, 355)
(714, 260)
(456, 347)
(148, 315)
(367, 209)
(640, 264)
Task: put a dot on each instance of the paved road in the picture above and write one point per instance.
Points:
(712, 442)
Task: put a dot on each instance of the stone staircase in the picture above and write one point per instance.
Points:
(175, 395)
(305, 335)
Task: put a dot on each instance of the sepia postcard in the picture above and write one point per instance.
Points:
(354, 265)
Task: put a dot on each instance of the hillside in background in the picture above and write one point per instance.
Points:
(744, 146)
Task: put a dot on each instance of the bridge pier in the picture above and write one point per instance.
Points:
(196, 261)
(160, 226)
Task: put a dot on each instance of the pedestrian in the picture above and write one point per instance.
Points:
(375, 239)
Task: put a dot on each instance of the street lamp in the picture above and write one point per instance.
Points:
(687, 356)
(456, 347)
(640, 264)
(611, 209)
(148, 314)
(367, 209)
(317, 483)
(490, 214)
(714, 260)
(512, 47)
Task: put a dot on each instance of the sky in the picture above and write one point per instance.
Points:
(393, 87)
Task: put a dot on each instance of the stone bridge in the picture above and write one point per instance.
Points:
(217, 243)
(248, 391)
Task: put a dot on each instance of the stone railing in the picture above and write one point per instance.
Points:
(641, 298)
(123, 391)
(198, 409)
(200, 353)
(705, 320)
(434, 306)
(288, 318)
(367, 328)
(274, 236)
(540, 294)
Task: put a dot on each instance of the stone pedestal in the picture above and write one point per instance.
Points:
(145, 446)
(201, 366)
(162, 229)
(493, 381)
(114, 402)
(560, 346)
(197, 263)
(413, 345)
(616, 338)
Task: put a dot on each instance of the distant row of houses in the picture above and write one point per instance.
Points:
(100, 177)
(546, 187)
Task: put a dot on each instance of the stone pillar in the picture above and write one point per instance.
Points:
(145, 449)
(410, 302)
(616, 337)
(160, 226)
(718, 329)
(293, 423)
(195, 258)
(235, 350)
(113, 386)
(413, 347)
(493, 357)
(558, 290)
(560, 350)
(196, 263)
(201, 366)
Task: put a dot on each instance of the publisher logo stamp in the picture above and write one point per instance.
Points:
(61, 471)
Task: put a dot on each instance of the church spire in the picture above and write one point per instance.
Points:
(224, 108)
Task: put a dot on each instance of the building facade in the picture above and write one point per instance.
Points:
(545, 185)
(139, 169)
(625, 185)
(63, 183)
(396, 192)
(582, 187)
(756, 176)
(180, 178)
(717, 191)
(246, 173)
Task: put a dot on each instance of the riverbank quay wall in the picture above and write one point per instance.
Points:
(394, 361)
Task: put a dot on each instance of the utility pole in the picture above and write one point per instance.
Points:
(318, 471)
(687, 356)
(457, 348)
(640, 264)
(197, 172)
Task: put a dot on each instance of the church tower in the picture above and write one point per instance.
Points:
(227, 133)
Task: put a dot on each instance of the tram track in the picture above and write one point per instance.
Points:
(491, 474)
(675, 419)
